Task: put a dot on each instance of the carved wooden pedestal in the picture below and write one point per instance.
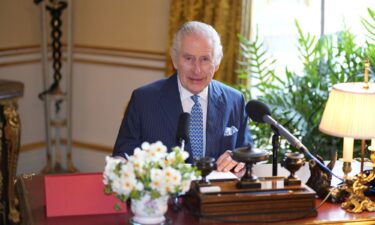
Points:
(9, 149)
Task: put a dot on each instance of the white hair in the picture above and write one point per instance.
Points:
(198, 28)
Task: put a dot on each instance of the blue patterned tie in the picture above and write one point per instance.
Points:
(196, 128)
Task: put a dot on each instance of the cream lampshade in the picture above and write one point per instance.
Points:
(350, 114)
(350, 111)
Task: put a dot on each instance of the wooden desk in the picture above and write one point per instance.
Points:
(10, 131)
(31, 195)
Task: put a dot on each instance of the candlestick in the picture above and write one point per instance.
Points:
(348, 149)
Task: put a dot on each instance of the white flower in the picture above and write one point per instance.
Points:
(157, 178)
(139, 186)
(158, 181)
(138, 160)
(109, 169)
(150, 169)
(138, 154)
(172, 176)
(145, 146)
(158, 151)
(126, 186)
(171, 159)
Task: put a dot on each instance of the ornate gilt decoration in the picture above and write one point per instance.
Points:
(2, 206)
(357, 201)
(12, 142)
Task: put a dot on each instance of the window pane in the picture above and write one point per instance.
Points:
(276, 27)
(348, 12)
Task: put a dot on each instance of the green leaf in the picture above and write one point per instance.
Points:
(107, 189)
(117, 206)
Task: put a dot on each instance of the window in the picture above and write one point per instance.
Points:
(276, 27)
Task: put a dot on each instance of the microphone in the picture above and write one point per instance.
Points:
(259, 112)
(182, 134)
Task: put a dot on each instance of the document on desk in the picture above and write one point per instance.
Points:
(216, 175)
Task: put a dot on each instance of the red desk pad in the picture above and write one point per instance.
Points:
(78, 194)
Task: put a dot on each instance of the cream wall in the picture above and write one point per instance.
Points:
(119, 45)
(126, 24)
(130, 24)
(19, 23)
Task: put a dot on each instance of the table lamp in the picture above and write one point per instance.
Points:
(350, 114)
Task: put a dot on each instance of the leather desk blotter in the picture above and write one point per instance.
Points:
(78, 194)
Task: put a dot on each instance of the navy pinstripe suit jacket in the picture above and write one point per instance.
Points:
(153, 113)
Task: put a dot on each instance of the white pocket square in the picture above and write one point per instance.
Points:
(229, 131)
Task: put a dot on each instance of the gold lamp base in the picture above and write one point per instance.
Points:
(357, 201)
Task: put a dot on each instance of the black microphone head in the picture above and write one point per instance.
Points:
(256, 110)
(183, 128)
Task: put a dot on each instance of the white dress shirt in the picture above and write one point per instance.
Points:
(187, 104)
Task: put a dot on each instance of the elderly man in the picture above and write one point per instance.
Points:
(218, 118)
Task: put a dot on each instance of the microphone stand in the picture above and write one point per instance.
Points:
(275, 149)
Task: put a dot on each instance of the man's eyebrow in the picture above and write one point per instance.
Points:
(187, 54)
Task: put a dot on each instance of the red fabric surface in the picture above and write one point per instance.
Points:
(78, 194)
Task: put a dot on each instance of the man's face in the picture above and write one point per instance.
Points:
(194, 63)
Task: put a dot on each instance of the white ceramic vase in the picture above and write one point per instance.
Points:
(149, 211)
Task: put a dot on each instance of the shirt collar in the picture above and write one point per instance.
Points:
(184, 93)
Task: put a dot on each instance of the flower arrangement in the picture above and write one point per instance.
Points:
(150, 170)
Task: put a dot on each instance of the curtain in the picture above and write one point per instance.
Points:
(228, 17)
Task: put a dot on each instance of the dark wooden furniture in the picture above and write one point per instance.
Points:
(10, 91)
(272, 197)
(31, 195)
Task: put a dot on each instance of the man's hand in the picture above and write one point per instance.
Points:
(225, 163)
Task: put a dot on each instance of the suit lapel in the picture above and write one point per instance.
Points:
(215, 122)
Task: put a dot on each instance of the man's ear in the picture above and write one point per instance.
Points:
(174, 62)
(217, 67)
